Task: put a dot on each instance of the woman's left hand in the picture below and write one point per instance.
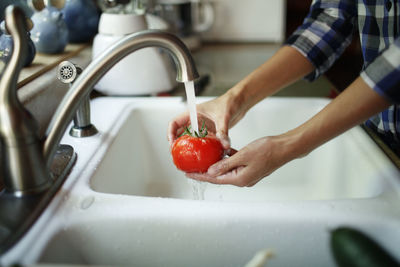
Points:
(249, 165)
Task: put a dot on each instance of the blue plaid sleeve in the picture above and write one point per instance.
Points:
(383, 74)
(325, 33)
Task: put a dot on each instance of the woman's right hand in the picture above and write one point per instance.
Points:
(222, 113)
(219, 115)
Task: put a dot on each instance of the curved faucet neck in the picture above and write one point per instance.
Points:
(186, 71)
(16, 26)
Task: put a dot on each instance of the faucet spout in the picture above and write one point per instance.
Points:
(186, 71)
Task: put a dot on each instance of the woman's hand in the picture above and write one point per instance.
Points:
(263, 156)
(249, 165)
(260, 158)
(218, 114)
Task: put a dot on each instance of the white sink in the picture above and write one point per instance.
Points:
(170, 233)
(139, 160)
(125, 204)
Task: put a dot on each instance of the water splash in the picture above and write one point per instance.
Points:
(198, 189)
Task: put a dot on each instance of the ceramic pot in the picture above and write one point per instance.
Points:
(7, 44)
(50, 32)
(82, 19)
(151, 67)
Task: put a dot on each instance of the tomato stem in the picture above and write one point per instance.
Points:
(203, 132)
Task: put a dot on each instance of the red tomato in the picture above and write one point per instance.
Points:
(196, 154)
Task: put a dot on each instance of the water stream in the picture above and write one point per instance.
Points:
(198, 188)
(191, 103)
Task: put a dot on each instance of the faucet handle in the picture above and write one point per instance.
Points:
(22, 155)
(16, 26)
(15, 120)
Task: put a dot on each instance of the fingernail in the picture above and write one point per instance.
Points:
(225, 140)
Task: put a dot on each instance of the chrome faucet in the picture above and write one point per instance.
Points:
(27, 159)
(27, 169)
(83, 85)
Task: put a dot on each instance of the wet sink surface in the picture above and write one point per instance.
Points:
(198, 237)
(125, 204)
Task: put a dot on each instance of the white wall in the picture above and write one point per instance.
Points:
(248, 20)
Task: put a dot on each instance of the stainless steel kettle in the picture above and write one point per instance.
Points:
(185, 17)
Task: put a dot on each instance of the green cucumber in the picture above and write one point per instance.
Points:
(351, 247)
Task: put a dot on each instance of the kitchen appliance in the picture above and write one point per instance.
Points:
(186, 18)
(146, 72)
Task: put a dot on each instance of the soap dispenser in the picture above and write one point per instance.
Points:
(148, 71)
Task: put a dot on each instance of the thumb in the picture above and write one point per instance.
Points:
(224, 138)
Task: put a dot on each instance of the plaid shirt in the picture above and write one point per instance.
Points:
(327, 31)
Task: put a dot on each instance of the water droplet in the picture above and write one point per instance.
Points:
(87, 202)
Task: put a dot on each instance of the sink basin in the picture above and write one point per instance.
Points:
(125, 204)
(196, 234)
(139, 161)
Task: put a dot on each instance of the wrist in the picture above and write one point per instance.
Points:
(239, 97)
(296, 144)
(232, 100)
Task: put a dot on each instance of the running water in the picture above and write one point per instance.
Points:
(198, 187)
(191, 102)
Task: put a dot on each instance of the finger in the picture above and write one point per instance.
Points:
(222, 128)
(224, 138)
(228, 178)
(233, 177)
(223, 166)
(203, 177)
(230, 170)
(175, 126)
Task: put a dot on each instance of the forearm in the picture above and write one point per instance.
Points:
(351, 108)
(284, 68)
